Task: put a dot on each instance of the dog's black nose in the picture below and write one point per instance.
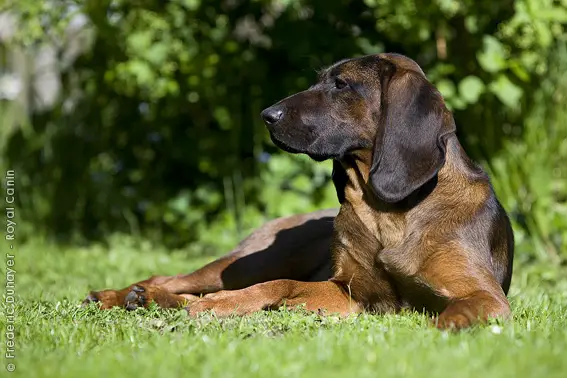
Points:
(272, 115)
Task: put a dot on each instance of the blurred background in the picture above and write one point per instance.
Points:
(139, 119)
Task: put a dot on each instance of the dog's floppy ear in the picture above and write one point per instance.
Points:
(410, 145)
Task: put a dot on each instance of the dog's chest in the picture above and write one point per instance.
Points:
(357, 244)
(377, 261)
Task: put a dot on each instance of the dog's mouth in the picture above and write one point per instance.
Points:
(313, 155)
(319, 157)
(284, 146)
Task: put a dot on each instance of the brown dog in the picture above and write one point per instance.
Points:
(419, 225)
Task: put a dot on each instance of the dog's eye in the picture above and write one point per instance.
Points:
(340, 83)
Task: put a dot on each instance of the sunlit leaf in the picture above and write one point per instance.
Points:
(470, 89)
(506, 91)
(493, 56)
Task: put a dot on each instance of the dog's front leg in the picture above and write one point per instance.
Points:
(325, 296)
(471, 291)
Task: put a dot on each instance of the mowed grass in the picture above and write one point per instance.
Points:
(55, 337)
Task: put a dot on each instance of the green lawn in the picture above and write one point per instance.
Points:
(57, 338)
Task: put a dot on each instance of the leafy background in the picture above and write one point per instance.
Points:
(138, 121)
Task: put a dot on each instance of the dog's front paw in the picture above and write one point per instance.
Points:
(202, 305)
(224, 303)
(474, 310)
(461, 314)
(142, 296)
(106, 299)
(453, 321)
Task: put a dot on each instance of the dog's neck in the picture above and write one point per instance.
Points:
(460, 177)
(384, 221)
(357, 187)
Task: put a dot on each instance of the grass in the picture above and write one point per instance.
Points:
(57, 338)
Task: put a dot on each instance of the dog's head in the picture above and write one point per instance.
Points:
(382, 103)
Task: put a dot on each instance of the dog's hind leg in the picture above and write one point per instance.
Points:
(295, 247)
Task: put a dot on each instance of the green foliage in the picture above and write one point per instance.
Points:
(531, 174)
(156, 129)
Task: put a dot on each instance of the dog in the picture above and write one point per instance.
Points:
(419, 226)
